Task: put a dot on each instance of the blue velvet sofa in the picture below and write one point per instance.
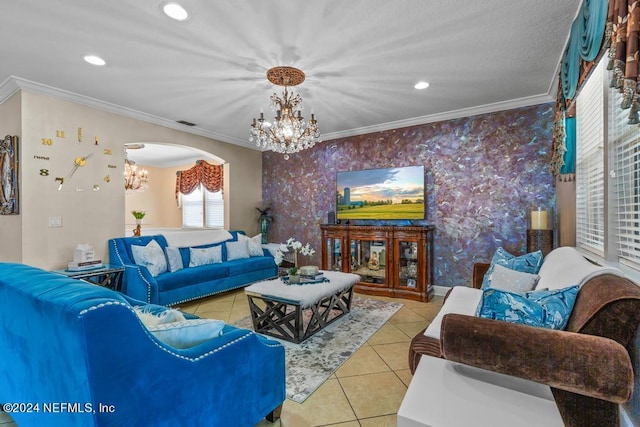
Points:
(189, 283)
(75, 354)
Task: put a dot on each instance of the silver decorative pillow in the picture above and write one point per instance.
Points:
(237, 250)
(204, 256)
(505, 279)
(151, 256)
(174, 259)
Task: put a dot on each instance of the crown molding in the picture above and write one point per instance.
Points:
(447, 115)
(13, 84)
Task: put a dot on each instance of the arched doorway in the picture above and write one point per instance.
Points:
(157, 200)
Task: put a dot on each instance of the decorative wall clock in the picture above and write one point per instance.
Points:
(78, 162)
(9, 203)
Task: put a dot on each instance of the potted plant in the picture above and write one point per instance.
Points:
(294, 246)
(138, 215)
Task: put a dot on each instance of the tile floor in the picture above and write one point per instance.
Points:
(366, 391)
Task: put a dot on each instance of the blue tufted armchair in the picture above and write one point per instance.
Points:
(75, 354)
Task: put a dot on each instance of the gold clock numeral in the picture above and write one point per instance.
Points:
(79, 134)
(107, 151)
(47, 141)
(60, 134)
(96, 140)
(107, 178)
(44, 172)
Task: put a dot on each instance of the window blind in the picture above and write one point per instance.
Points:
(192, 209)
(590, 205)
(214, 203)
(201, 208)
(624, 142)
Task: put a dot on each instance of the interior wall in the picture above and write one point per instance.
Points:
(483, 172)
(11, 225)
(89, 216)
(566, 213)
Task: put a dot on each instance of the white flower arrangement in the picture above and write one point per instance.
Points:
(295, 246)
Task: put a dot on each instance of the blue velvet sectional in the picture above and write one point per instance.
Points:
(190, 283)
(76, 354)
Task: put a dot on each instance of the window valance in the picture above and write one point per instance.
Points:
(593, 31)
(210, 176)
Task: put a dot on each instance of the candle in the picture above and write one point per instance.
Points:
(538, 220)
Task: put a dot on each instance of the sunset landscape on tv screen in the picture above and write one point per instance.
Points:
(392, 193)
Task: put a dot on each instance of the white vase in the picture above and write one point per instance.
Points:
(139, 221)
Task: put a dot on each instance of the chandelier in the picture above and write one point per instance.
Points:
(289, 133)
(134, 179)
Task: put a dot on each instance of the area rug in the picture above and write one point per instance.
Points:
(310, 364)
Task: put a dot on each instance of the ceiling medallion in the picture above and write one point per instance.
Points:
(289, 133)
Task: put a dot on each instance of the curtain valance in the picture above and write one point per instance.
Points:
(594, 20)
(210, 176)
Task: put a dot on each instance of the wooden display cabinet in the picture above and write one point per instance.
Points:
(392, 261)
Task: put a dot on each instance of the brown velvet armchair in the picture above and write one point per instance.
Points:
(587, 366)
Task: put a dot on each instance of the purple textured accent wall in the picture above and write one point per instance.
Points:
(482, 173)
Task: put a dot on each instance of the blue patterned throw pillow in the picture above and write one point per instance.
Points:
(547, 309)
(527, 263)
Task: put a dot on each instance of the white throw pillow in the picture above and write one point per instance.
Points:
(187, 333)
(151, 256)
(505, 279)
(237, 250)
(204, 256)
(150, 319)
(255, 245)
(174, 259)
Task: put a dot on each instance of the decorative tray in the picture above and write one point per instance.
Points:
(305, 280)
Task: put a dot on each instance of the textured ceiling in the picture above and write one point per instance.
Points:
(361, 58)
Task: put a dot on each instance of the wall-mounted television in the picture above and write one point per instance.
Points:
(391, 193)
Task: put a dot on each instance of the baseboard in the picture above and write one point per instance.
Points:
(625, 420)
(440, 290)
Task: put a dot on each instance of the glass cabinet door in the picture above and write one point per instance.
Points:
(408, 264)
(334, 253)
(368, 258)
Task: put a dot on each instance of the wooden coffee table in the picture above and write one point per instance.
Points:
(296, 312)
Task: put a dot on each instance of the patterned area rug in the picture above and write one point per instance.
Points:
(310, 364)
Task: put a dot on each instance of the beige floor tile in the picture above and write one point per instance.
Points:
(395, 355)
(374, 395)
(404, 375)
(265, 423)
(412, 328)
(388, 333)
(363, 361)
(405, 315)
(429, 311)
(347, 424)
(411, 303)
(385, 421)
(213, 305)
(219, 315)
(327, 405)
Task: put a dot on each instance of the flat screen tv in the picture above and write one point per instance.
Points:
(392, 193)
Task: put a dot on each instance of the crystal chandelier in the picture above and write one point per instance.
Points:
(289, 133)
(134, 179)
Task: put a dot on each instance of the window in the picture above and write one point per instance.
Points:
(624, 146)
(590, 164)
(202, 208)
(607, 157)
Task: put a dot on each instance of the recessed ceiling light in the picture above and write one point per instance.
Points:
(421, 85)
(94, 60)
(175, 11)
